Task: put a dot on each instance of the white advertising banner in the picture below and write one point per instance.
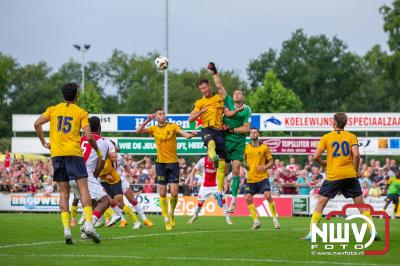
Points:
(24, 123)
(323, 122)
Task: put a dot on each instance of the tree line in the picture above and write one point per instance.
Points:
(308, 74)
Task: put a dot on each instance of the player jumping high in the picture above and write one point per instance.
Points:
(237, 124)
(210, 109)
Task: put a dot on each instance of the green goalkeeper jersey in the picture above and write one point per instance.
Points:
(394, 185)
(236, 121)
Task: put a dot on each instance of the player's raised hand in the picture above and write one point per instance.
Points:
(212, 68)
(151, 117)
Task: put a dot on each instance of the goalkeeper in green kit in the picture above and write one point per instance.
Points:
(236, 125)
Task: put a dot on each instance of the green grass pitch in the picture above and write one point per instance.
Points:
(37, 239)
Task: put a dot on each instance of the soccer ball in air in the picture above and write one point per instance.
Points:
(161, 63)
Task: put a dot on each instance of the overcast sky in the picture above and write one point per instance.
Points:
(229, 32)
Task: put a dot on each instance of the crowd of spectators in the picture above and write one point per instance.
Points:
(20, 175)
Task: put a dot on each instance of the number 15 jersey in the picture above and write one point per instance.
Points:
(339, 161)
(66, 121)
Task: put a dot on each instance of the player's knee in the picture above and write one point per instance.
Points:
(249, 199)
(105, 201)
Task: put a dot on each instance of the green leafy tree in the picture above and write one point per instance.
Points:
(273, 97)
(391, 74)
(316, 68)
(90, 99)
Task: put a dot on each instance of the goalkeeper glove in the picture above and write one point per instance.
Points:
(212, 68)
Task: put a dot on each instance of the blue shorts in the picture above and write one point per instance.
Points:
(393, 198)
(258, 187)
(167, 173)
(208, 134)
(112, 189)
(350, 188)
(68, 168)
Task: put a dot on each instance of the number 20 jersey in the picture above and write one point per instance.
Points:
(339, 158)
(66, 121)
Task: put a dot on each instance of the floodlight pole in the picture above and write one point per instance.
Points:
(166, 54)
(83, 49)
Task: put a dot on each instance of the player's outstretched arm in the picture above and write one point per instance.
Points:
(317, 157)
(217, 80)
(141, 128)
(187, 135)
(39, 130)
(229, 113)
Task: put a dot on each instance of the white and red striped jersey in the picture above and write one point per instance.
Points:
(89, 154)
(209, 173)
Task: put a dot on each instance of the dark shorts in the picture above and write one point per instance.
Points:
(393, 198)
(112, 189)
(68, 168)
(258, 187)
(167, 173)
(350, 188)
(208, 134)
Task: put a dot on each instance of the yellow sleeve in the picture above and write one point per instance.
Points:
(322, 144)
(267, 152)
(353, 140)
(84, 119)
(150, 130)
(176, 128)
(47, 113)
(197, 106)
(390, 181)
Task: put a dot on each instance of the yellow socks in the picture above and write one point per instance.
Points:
(74, 210)
(252, 211)
(272, 208)
(315, 218)
(108, 213)
(172, 202)
(128, 211)
(65, 219)
(88, 213)
(221, 175)
(368, 214)
(164, 206)
(211, 149)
